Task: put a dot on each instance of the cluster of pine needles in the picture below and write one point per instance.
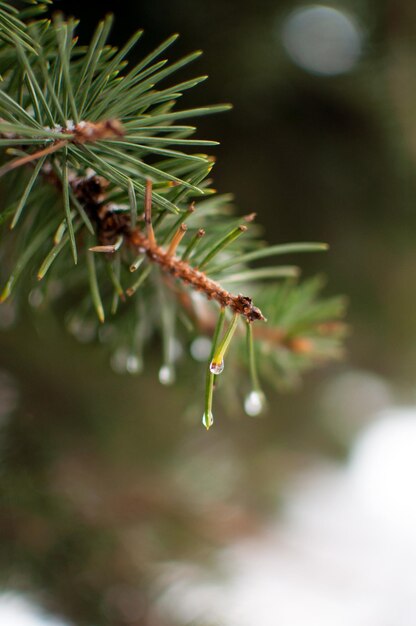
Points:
(114, 221)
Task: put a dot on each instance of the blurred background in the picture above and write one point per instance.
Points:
(117, 507)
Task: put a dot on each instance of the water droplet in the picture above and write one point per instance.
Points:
(119, 361)
(201, 348)
(133, 364)
(216, 368)
(254, 403)
(35, 298)
(208, 419)
(167, 375)
(83, 330)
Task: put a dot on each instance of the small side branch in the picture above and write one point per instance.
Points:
(182, 270)
(196, 279)
(81, 133)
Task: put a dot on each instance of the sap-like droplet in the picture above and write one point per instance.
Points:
(167, 375)
(208, 419)
(133, 364)
(254, 403)
(216, 368)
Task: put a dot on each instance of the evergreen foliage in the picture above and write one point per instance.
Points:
(108, 199)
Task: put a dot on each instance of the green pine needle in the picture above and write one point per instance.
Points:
(75, 185)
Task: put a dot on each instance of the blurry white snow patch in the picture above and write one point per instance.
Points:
(352, 399)
(383, 471)
(15, 610)
(343, 552)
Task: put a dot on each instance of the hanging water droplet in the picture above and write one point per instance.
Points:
(216, 368)
(167, 375)
(254, 403)
(35, 298)
(208, 419)
(119, 360)
(133, 364)
(83, 330)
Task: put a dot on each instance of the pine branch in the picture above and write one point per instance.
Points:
(111, 189)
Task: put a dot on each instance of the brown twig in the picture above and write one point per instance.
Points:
(84, 132)
(197, 280)
(114, 227)
(111, 224)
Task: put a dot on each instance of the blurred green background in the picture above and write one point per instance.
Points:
(105, 478)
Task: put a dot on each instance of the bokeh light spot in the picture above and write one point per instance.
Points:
(322, 40)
